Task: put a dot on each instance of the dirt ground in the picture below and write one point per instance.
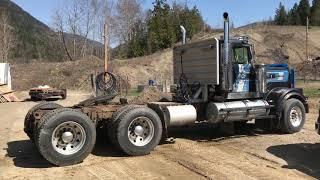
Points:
(195, 153)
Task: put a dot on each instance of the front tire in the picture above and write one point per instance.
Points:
(66, 137)
(293, 117)
(138, 131)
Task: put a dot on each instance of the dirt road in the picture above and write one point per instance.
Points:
(196, 153)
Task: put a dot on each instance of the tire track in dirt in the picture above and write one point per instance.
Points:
(224, 161)
(147, 167)
(150, 167)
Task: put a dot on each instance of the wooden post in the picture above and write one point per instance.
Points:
(127, 84)
(166, 86)
(315, 70)
(106, 45)
(307, 39)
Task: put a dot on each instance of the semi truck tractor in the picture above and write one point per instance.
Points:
(217, 81)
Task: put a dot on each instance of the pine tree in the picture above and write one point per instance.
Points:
(304, 10)
(315, 13)
(293, 16)
(160, 30)
(164, 24)
(137, 46)
(281, 15)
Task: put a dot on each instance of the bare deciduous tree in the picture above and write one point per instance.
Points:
(128, 13)
(81, 19)
(103, 25)
(7, 36)
(58, 22)
(74, 12)
(88, 22)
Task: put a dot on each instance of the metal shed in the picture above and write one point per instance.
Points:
(5, 75)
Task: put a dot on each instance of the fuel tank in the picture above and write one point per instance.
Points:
(236, 111)
(180, 115)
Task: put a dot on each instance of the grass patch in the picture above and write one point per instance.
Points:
(133, 92)
(307, 81)
(312, 92)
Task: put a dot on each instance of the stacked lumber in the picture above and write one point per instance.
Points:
(6, 94)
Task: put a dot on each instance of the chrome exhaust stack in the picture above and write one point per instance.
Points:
(227, 66)
(184, 34)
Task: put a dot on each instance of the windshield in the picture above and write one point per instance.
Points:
(241, 55)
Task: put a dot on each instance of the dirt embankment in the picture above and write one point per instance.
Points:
(71, 75)
(151, 94)
(281, 44)
(273, 44)
(76, 74)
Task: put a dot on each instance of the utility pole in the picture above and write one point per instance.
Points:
(307, 39)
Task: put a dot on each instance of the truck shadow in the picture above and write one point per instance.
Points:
(303, 157)
(106, 149)
(24, 154)
(210, 133)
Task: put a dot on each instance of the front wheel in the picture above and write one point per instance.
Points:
(138, 131)
(66, 137)
(293, 117)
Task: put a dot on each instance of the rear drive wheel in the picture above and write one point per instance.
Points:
(66, 137)
(293, 117)
(29, 120)
(138, 131)
(115, 117)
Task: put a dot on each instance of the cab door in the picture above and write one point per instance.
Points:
(242, 69)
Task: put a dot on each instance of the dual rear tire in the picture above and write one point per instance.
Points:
(136, 130)
(65, 136)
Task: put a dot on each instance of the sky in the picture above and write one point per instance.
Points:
(241, 12)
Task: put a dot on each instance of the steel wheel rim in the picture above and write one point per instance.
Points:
(68, 138)
(141, 131)
(295, 116)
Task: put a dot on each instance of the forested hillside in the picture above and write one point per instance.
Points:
(299, 13)
(155, 29)
(133, 31)
(24, 38)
